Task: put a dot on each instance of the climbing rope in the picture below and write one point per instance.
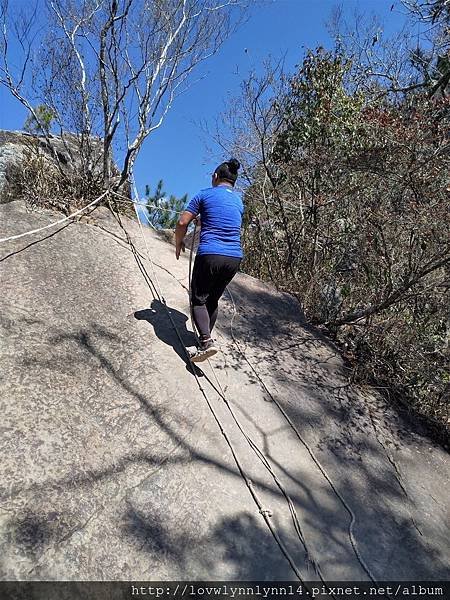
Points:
(221, 393)
(291, 424)
(191, 308)
(248, 439)
(123, 199)
(265, 513)
(78, 212)
(306, 445)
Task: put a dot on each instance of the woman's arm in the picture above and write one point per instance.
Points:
(185, 218)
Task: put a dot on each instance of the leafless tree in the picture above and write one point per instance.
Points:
(109, 70)
(418, 60)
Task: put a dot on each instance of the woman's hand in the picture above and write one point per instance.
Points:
(180, 231)
(179, 247)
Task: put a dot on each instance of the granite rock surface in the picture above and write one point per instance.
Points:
(113, 465)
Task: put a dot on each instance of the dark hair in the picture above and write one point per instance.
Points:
(228, 171)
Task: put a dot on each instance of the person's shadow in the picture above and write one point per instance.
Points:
(157, 316)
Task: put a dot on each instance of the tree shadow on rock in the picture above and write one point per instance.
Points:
(236, 548)
(30, 534)
(248, 547)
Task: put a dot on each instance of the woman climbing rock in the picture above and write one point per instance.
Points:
(219, 253)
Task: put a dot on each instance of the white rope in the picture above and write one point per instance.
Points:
(157, 287)
(81, 210)
(265, 461)
(21, 235)
(264, 512)
(150, 224)
(126, 200)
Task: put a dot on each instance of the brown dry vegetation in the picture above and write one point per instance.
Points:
(348, 209)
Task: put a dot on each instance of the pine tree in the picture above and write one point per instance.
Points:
(43, 123)
(163, 211)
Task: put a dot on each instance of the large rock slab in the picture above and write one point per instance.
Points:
(113, 465)
(18, 147)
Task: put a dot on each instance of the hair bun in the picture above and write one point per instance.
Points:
(233, 165)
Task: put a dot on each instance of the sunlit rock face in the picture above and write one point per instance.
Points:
(112, 465)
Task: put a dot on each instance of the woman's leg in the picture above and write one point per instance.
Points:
(202, 321)
(200, 288)
(210, 276)
(225, 269)
(212, 306)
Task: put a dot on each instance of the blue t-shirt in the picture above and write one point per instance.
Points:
(220, 209)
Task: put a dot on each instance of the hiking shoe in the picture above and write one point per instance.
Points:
(206, 349)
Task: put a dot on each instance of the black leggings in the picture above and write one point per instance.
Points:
(210, 276)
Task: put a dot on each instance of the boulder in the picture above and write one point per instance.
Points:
(61, 153)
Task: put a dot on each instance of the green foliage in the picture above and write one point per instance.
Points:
(162, 211)
(318, 111)
(43, 122)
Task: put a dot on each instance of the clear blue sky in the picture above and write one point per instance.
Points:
(177, 152)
